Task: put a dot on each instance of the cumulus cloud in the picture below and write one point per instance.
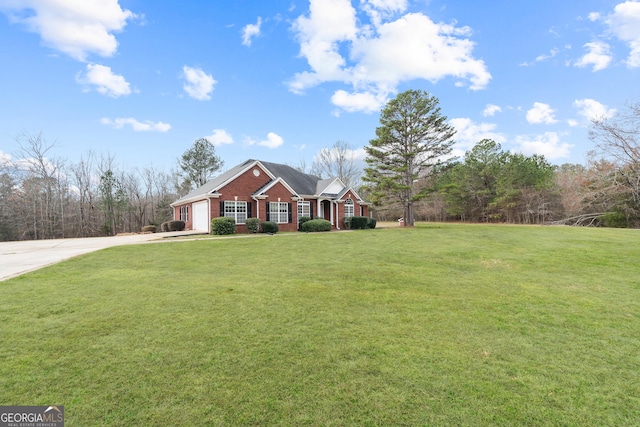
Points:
(599, 56)
(624, 23)
(146, 126)
(594, 16)
(378, 10)
(104, 80)
(541, 113)
(548, 144)
(591, 109)
(219, 137)
(250, 31)
(77, 28)
(366, 101)
(382, 54)
(199, 84)
(491, 110)
(273, 141)
(469, 133)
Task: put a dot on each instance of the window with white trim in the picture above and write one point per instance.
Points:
(304, 209)
(279, 212)
(236, 210)
(184, 213)
(348, 208)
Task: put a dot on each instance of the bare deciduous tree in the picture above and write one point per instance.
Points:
(338, 160)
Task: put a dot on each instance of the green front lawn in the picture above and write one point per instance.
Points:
(439, 325)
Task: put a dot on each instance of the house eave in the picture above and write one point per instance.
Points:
(195, 199)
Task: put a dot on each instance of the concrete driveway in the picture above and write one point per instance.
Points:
(17, 258)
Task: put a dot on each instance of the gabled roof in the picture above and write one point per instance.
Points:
(302, 183)
(299, 183)
(216, 183)
(271, 184)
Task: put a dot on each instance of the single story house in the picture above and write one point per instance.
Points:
(269, 192)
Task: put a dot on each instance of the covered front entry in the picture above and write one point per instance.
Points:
(326, 211)
(201, 216)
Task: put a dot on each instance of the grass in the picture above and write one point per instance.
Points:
(443, 324)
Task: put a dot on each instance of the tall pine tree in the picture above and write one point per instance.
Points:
(413, 136)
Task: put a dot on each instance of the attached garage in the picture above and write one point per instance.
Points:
(201, 216)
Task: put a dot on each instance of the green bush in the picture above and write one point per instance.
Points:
(164, 226)
(316, 225)
(303, 219)
(269, 227)
(359, 222)
(371, 223)
(223, 225)
(175, 225)
(615, 219)
(253, 225)
(149, 229)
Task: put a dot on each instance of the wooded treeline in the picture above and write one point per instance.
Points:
(45, 197)
(491, 185)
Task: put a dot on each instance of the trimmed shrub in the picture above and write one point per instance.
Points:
(371, 223)
(223, 225)
(303, 219)
(359, 222)
(149, 229)
(253, 225)
(316, 225)
(175, 225)
(269, 227)
(164, 226)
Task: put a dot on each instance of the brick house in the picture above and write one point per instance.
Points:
(270, 192)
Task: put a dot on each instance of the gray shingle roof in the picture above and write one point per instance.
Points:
(214, 184)
(302, 183)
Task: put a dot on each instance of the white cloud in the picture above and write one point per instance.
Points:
(250, 31)
(273, 141)
(366, 102)
(573, 123)
(599, 56)
(591, 109)
(594, 16)
(74, 27)
(105, 81)
(551, 54)
(541, 113)
(469, 133)
(199, 84)
(624, 23)
(491, 110)
(378, 10)
(147, 126)
(547, 144)
(219, 137)
(382, 55)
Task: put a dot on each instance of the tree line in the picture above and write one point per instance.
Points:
(44, 197)
(410, 173)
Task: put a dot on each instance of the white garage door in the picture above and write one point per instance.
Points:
(201, 216)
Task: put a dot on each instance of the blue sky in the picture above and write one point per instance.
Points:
(279, 80)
